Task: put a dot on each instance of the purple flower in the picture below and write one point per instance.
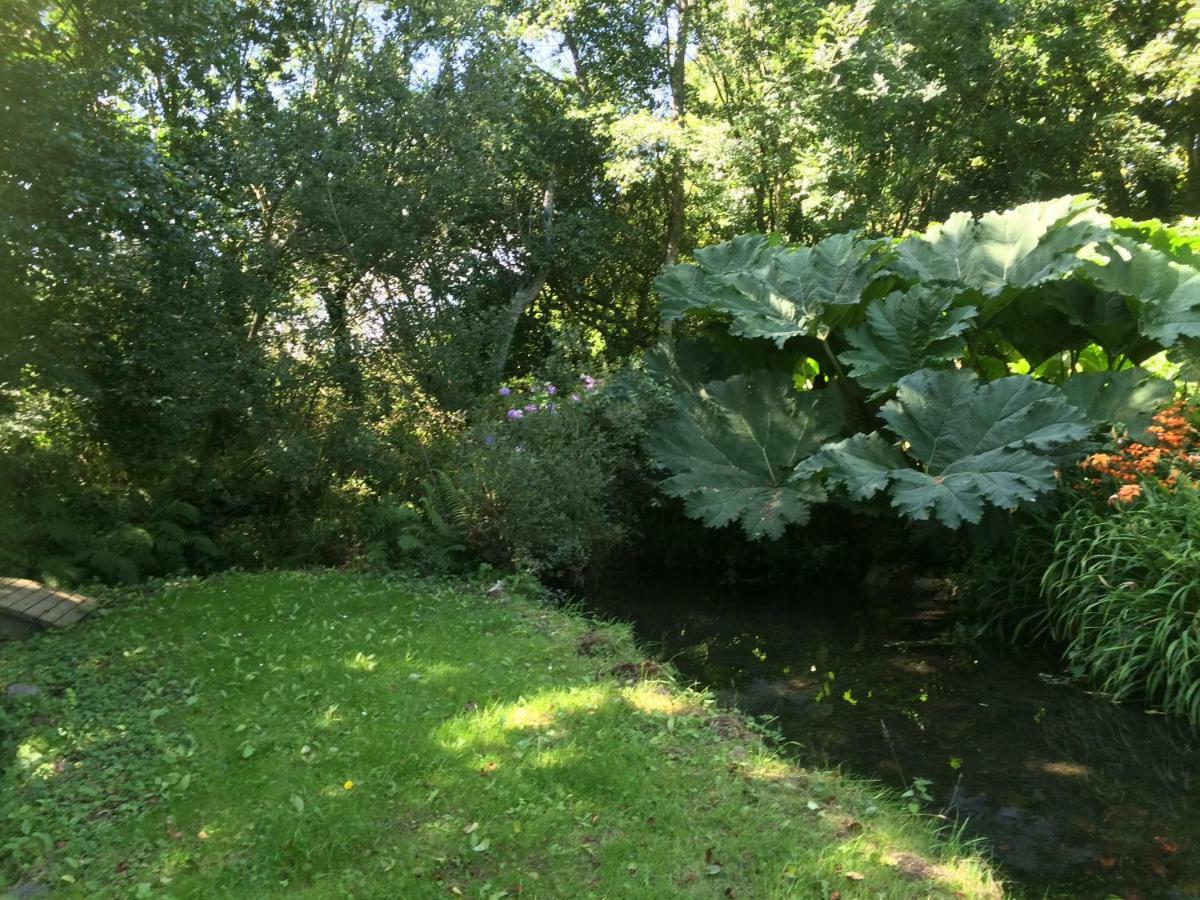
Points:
(514, 414)
(530, 407)
(505, 391)
(490, 439)
(551, 390)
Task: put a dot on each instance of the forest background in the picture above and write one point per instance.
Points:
(267, 267)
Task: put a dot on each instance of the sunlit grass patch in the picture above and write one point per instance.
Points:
(327, 735)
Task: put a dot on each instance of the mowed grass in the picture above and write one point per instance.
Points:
(326, 735)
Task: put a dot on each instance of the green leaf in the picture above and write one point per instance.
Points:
(1025, 246)
(835, 271)
(1038, 326)
(761, 311)
(946, 417)
(1168, 291)
(681, 289)
(862, 464)
(1001, 478)
(1180, 241)
(1129, 397)
(976, 445)
(733, 450)
(734, 257)
(905, 332)
(768, 292)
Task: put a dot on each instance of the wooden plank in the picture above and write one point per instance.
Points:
(11, 595)
(52, 617)
(70, 617)
(8, 584)
(45, 604)
(18, 593)
(70, 611)
(33, 602)
(24, 601)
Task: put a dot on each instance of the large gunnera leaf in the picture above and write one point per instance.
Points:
(1021, 247)
(906, 332)
(834, 272)
(731, 451)
(770, 292)
(1180, 241)
(1044, 321)
(974, 445)
(1168, 292)
(1126, 399)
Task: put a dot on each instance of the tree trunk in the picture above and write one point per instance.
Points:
(345, 366)
(677, 209)
(581, 79)
(1191, 191)
(1192, 201)
(528, 293)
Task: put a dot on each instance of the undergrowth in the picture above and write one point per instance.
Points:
(1123, 594)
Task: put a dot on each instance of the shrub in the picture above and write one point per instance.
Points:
(536, 481)
(321, 481)
(1113, 575)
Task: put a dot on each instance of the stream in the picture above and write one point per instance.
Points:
(1076, 796)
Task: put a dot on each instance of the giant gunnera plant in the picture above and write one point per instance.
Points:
(938, 375)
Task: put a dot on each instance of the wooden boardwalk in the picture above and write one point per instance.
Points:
(41, 605)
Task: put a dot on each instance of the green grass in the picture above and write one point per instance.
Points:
(340, 735)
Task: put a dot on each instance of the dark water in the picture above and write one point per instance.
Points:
(1076, 796)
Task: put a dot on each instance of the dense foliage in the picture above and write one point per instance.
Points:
(1110, 575)
(261, 263)
(543, 480)
(961, 368)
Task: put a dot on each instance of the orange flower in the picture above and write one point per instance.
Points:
(1170, 449)
(1126, 494)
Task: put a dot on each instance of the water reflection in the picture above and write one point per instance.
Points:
(1076, 795)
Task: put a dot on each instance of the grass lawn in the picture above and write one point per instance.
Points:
(341, 735)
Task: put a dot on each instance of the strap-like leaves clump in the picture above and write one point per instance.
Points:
(732, 450)
(906, 332)
(973, 445)
(770, 292)
(1018, 248)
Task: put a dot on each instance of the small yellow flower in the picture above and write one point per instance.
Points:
(348, 785)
